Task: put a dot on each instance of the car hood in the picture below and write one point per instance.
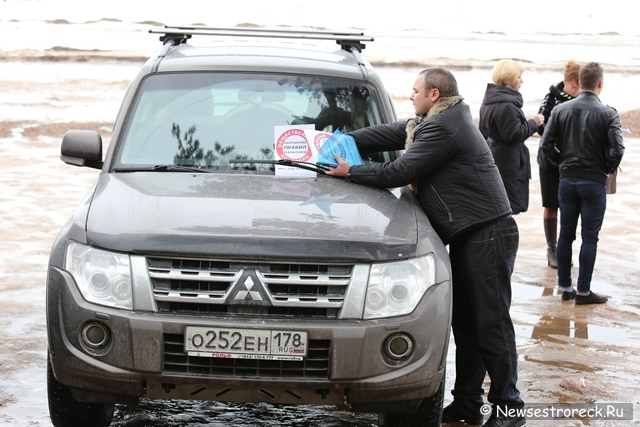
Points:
(250, 216)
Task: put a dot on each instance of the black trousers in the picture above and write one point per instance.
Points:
(482, 261)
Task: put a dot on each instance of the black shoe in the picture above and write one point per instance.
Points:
(450, 414)
(505, 422)
(568, 295)
(592, 298)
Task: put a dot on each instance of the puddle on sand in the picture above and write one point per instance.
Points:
(548, 325)
(542, 325)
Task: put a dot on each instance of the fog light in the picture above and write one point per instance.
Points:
(398, 346)
(95, 335)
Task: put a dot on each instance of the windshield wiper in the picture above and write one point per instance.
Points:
(178, 168)
(282, 162)
(162, 168)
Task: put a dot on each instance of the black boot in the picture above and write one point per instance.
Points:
(550, 229)
(451, 414)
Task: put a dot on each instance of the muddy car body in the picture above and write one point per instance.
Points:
(192, 270)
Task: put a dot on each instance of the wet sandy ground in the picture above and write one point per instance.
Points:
(567, 353)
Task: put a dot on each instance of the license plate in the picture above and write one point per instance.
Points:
(231, 343)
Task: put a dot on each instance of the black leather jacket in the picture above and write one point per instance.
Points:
(458, 183)
(584, 138)
(555, 97)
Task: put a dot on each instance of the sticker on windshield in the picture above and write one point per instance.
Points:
(292, 143)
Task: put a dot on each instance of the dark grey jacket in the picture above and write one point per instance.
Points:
(583, 137)
(458, 183)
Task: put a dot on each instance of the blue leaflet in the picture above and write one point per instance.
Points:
(341, 144)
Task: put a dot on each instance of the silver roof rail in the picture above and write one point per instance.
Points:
(344, 38)
(266, 30)
(350, 41)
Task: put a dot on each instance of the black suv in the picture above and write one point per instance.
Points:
(195, 270)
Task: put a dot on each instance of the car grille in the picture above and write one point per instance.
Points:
(315, 365)
(188, 286)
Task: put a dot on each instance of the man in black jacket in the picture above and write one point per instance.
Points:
(583, 137)
(449, 165)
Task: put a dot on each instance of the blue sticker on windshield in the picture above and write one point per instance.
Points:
(342, 145)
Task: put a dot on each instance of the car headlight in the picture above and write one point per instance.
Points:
(103, 277)
(396, 288)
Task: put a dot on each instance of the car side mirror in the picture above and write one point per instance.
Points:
(82, 148)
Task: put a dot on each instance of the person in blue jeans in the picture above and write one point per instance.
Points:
(449, 166)
(584, 138)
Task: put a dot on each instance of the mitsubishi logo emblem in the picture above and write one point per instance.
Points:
(248, 283)
(249, 290)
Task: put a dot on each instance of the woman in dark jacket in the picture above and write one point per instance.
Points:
(566, 90)
(504, 125)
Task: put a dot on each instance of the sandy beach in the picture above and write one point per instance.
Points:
(567, 353)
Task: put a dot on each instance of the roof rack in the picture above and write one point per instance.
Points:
(266, 30)
(349, 41)
(180, 34)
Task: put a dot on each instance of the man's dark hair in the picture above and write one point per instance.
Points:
(590, 75)
(441, 79)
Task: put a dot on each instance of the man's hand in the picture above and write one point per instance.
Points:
(341, 170)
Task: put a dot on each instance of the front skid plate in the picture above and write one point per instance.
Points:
(246, 394)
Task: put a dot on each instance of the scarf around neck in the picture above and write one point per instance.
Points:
(437, 108)
(414, 123)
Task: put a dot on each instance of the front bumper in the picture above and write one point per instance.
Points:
(135, 362)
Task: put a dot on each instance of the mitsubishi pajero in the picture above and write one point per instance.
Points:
(193, 270)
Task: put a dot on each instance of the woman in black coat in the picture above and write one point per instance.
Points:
(560, 92)
(504, 125)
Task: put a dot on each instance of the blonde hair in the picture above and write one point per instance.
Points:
(571, 71)
(507, 71)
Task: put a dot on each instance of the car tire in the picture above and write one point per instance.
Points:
(66, 411)
(429, 413)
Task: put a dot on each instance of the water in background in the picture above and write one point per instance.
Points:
(545, 31)
(463, 36)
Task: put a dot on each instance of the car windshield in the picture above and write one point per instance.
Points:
(204, 120)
